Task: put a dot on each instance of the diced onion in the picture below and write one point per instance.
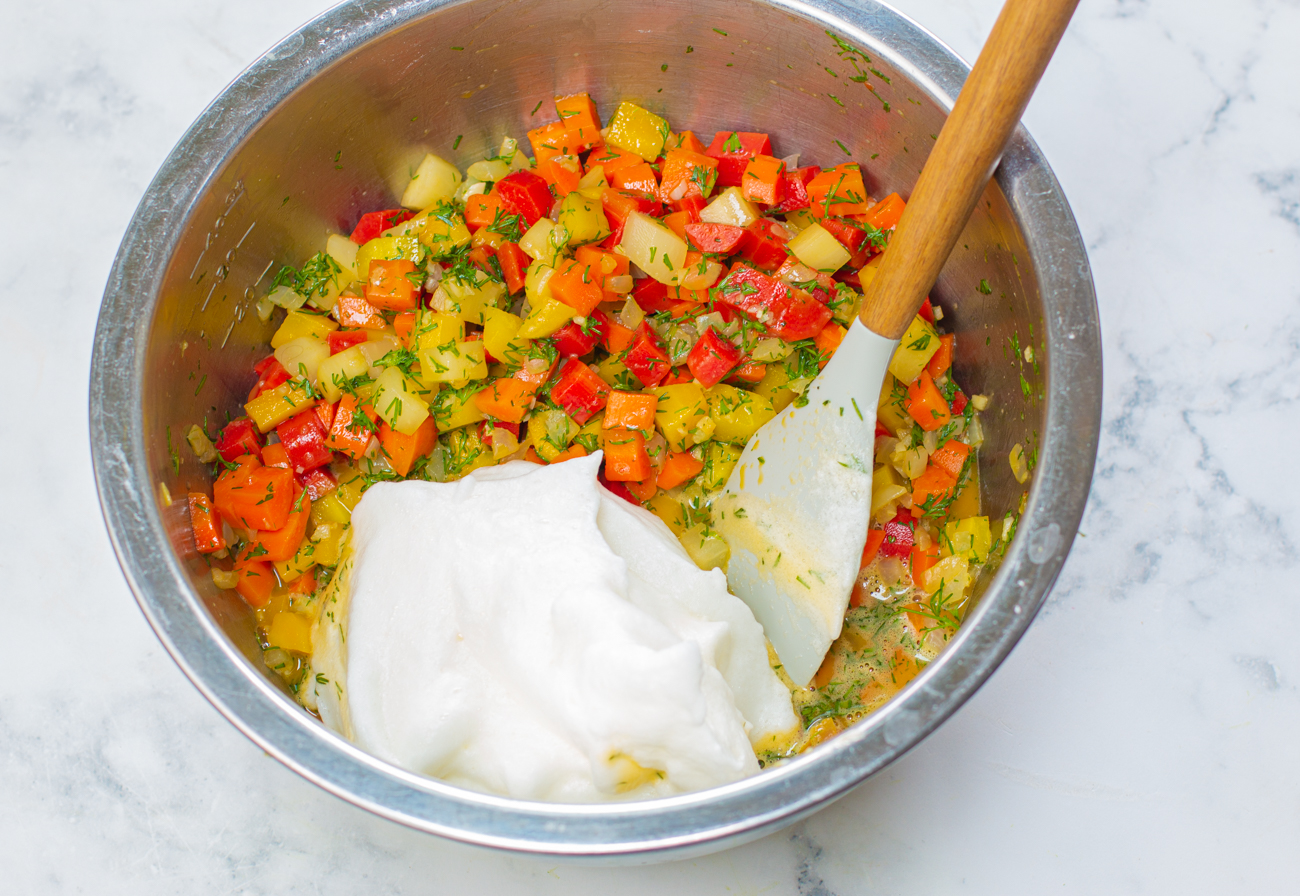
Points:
(286, 298)
(620, 285)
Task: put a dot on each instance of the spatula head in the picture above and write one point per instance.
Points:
(796, 507)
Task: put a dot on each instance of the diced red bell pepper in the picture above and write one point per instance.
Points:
(718, 239)
(645, 358)
(733, 150)
(619, 489)
(692, 205)
(651, 296)
(206, 524)
(712, 358)
(959, 402)
(270, 373)
(239, 437)
(580, 391)
(344, 339)
(898, 536)
(525, 194)
(318, 483)
(764, 247)
(513, 265)
(850, 237)
(788, 313)
(572, 340)
(796, 188)
(375, 223)
(303, 439)
(927, 310)
(486, 428)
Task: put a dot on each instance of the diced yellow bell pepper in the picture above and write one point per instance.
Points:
(952, 574)
(816, 247)
(550, 431)
(737, 414)
(329, 509)
(383, 248)
(434, 181)
(967, 502)
(464, 452)
(970, 538)
(545, 318)
(719, 461)
(775, 387)
(915, 350)
(397, 400)
(469, 301)
(891, 411)
(290, 631)
(340, 368)
(301, 323)
(706, 547)
(638, 131)
(455, 408)
(274, 406)
(445, 232)
(681, 408)
(500, 336)
(344, 253)
(886, 486)
(670, 510)
(584, 218)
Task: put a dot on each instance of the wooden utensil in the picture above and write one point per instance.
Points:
(795, 509)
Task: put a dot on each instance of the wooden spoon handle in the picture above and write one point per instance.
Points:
(963, 159)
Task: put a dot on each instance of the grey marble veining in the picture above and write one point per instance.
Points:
(1141, 737)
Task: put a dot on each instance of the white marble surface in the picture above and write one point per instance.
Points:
(1140, 739)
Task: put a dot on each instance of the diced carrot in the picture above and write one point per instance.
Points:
(678, 375)
(630, 410)
(403, 324)
(482, 209)
(644, 489)
(676, 222)
(926, 403)
(283, 543)
(274, 455)
(533, 457)
(255, 583)
(575, 285)
(564, 172)
(922, 560)
(206, 524)
(507, 399)
(688, 140)
(304, 584)
(626, 459)
(934, 482)
(827, 341)
(885, 213)
(941, 360)
(354, 311)
(678, 468)
(612, 160)
(551, 140)
(607, 264)
(352, 428)
(825, 672)
(388, 286)
(325, 414)
(750, 372)
(618, 337)
(951, 457)
(875, 538)
(569, 453)
(403, 450)
(763, 180)
(579, 115)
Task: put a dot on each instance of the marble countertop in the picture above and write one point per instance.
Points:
(1141, 738)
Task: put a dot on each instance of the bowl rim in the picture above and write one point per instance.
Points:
(670, 827)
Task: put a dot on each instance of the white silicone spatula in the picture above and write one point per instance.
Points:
(796, 508)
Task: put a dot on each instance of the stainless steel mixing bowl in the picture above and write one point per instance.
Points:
(328, 124)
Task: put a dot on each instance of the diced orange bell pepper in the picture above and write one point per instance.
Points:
(678, 375)
(687, 173)
(352, 428)
(933, 483)
(750, 372)
(763, 180)
(575, 285)
(636, 179)
(618, 338)
(507, 399)
(678, 468)
(951, 457)
(926, 404)
(941, 360)
(644, 489)
(255, 583)
(388, 286)
(402, 450)
(254, 497)
(626, 459)
(354, 311)
(206, 524)
(885, 213)
(676, 222)
(838, 191)
(482, 209)
(283, 543)
(922, 560)
(827, 341)
(630, 410)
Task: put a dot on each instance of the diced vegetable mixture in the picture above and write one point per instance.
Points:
(629, 290)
